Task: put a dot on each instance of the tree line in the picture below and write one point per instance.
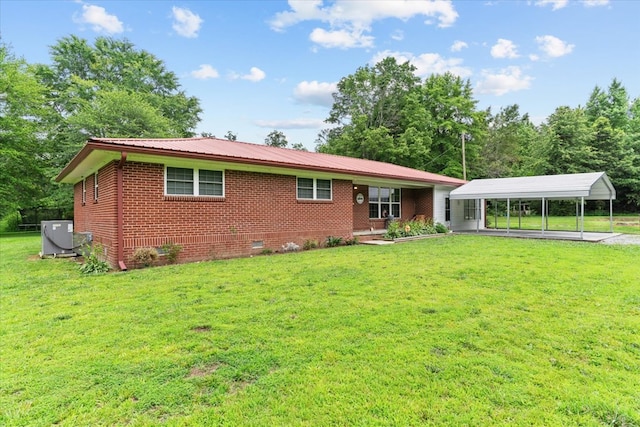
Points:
(385, 112)
(382, 112)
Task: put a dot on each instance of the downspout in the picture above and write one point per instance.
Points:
(120, 210)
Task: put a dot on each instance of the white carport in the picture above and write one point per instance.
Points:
(578, 187)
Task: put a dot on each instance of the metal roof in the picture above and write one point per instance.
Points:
(591, 186)
(234, 152)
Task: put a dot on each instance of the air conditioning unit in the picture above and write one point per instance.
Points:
(57, 238)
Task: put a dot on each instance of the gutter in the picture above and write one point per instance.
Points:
(120, 210)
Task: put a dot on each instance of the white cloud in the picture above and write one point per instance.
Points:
(341, 38)
(507, 80)
(555, 4)
(504, 49)
(458, 45)
(397, 35)
(534, 57)
(291, 124)
(553, 46)
(205, 72)
(316, 93)
(99, 19)
(348, 21)
(255, 75)
(595, 3)
(427, 63)
(186, 23)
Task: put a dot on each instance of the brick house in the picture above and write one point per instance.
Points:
(221, 199)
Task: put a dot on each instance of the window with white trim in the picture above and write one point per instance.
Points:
(383, 201)
(193, 182)
(84, 191)
(95, 186)
(314, 189)
(470, 209)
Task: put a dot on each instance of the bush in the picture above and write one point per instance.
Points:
(441, 228)
(10, 221)
(351, 241)
(310, 244)
(145, 256)
(93, 261)
(399, 229)
(333, 241)
(171, 251)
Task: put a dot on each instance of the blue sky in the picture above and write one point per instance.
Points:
(257, 66)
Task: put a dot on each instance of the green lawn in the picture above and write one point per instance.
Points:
(621, 224)
(455, 330)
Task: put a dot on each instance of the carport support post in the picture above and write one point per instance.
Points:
(577, 214)
(543, 205)
(610, 215)
(508, 214)
(581, 216)
(478, 214)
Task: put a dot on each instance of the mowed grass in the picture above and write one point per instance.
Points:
(455, 330)
(629, 224)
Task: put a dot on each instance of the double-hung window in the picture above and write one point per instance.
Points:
(314, 189)
(384, 201)
(194, 182)
(469, 209)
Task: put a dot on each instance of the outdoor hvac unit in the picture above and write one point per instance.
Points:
(57, 238)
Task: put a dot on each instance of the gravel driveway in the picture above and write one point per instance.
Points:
(623, 239)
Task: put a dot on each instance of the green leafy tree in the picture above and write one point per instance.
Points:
(276, 139)
(378, 114)
(23, 179)
(454, 115)
(231, 136)
(299, 146)
(506, 145)
(567, 135)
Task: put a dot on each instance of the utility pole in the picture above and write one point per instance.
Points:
(464, 161)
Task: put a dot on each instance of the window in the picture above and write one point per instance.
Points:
(194, 182)
(314, 189)
(95, 186)
(447, 209)
(469, 209)
(84, 191)
(384, 200)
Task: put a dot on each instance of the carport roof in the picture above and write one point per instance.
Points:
(591, 186)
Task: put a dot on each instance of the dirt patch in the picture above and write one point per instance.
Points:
(203, 371)
(201, 328)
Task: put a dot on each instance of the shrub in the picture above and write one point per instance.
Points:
(93, 262)
(333, 241)
(171, 251)
(441, 228)
(266, 252)
(310, 244)
(290, 247)
(399, 229)
(351, 241)
(10, 221)
(145, 256)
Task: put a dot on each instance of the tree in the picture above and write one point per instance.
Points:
(507, 142)
(276, 139)
(299, 146)
(231, 136)
(567, 135)
(452, 109)
(109, 89)
(22, 109)
(89, 84)
(378, 115)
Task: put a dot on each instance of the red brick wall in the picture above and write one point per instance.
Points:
(98, 216)
(256, 207)
(424, 202)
